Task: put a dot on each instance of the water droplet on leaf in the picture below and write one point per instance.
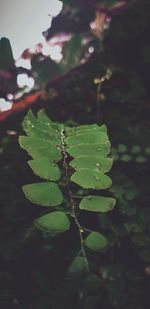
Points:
(96, 178)
(89, 197)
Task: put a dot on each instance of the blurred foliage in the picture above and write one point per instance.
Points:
(34, 264)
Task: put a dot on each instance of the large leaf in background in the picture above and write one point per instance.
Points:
(45, 68)
(96, 242)
(55, 222)
(6, 56)
(43, 193)
(45, 169)
(97, 203)
(72, 52)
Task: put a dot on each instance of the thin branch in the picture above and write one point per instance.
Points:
(73, 210)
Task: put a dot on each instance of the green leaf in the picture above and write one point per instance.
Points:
(88, 178)
(96, 242)
(77, 268)
(122, 148)
(87, 138)
(43, 193)
(45, 169)
(42, 130)
(41, 116)
(147, 150)
(86, 129)
(54, 222)
(29, 118)
(96, 151)
(140, 159)
(102, 164)
(125, 158)
(37, 148)
(97, 203)
(135, 149)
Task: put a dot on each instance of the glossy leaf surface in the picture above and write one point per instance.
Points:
(95, 150)
(87, 138)
(101, 164)
(87, 178)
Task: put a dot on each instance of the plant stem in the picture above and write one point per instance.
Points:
(73, 210)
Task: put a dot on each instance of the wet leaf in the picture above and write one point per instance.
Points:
(45, 169)
(87, 138)
(38, 148)
(95, 150)
(88, 178)
(102, 164)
